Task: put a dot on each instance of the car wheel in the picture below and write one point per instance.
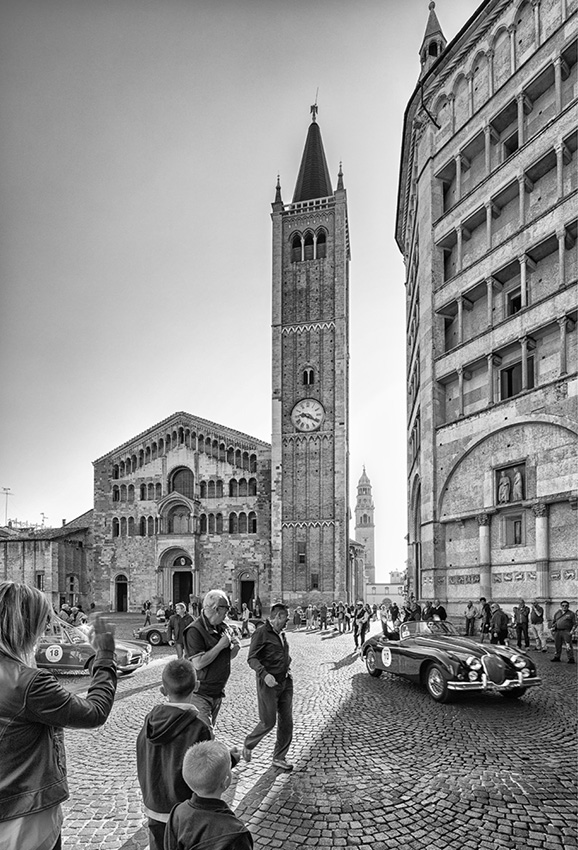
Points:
(435, 682)
(371, 664)
(515, 693)
(155, 638)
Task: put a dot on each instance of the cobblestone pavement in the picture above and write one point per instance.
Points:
(378, 764)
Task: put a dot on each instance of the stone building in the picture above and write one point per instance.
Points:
(179, 509)
(486, 223)
(365, 525)
(310, 338)
(58, 561)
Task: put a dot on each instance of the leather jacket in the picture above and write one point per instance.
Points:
(34, 709)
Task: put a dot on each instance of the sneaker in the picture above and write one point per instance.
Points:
(554, 659)
(571, 661)
(247, 754)
(282, 764)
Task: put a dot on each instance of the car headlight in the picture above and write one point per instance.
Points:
(519, 662)
(473, 662)
(525, 673)
(472, 675)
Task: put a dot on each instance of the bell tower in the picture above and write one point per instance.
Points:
(365, 525)
(310, 392)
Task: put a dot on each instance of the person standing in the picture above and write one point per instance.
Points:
(146, 609)
(322, 616)
(563, 622)
(521, 620)
(211, 645)
(245, 617)
(34, 710)
(269, 658)
(485, 618)
(439, 612)
(427, 612)
(537, 625)
(470, 613)
(178, 622)
(360, 624)
(498, 625)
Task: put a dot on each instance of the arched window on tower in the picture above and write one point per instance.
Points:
(115, 527)
(252, 523)
(211, 523)
(242, 487)
(252, 486)
(211, 490)
(203, 489)
(233, 488)
(308, 246)
(308, 377)
(296, 252)
(242, 523)
(203, 523)
(219, 489)
(183, 482)
(143, 526)
(233, 524)
(219, 523)
(321, 245)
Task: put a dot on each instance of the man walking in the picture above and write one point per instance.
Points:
(537, 625)
(178, 622)
(485, 617)
(562, 624)
(269, 658)
(210, 644)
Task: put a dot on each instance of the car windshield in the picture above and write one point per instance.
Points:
(431, 627)
(57, 629)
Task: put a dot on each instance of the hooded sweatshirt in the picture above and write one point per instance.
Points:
(167, 733)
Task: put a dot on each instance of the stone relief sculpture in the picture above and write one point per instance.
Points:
(503, 489)
(518, 488)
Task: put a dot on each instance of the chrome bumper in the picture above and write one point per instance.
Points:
(485, 684)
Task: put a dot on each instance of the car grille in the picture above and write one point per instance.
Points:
(495, 669)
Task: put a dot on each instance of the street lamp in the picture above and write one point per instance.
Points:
(6, 493)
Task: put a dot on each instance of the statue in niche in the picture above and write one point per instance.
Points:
(518, 488)
(503, 489)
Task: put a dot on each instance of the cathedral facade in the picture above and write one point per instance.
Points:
(486, 223)
(179, 509)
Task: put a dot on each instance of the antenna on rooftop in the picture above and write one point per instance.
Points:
(315, 108)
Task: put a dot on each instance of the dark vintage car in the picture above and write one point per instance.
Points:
(155, 634)
(433, 654)
(64, 649)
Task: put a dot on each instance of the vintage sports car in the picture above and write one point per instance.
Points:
(433, 654)
(155, 634)
(64, 648)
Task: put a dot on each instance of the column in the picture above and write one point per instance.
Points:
(537, 32)
(489, 205)
(459, 248)
(540, 512)
(488, 148)
(561, 237)
(558, 82)
(470, 79)
(524, 347)
(512, 34)
(563, 325)
(493, 360)
(490, 300)
(485, 555)
(460, 391)
(520, 104)
(521, 200)
(490, 56)
(458, 161)
(523, 279)
(460, 320)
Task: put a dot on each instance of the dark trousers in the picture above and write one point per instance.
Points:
(522, 632)
(561, 638)
(500, 637)
(359, 633)
(156, 834)
(470, 623)
(275, 706)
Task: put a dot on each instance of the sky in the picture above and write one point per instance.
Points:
(140, 143)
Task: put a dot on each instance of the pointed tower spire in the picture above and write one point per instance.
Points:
(313, 180)
(340, 181)
(278, 199)
(434, 41)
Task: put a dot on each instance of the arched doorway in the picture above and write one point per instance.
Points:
(247, 591)
(121, 593)
(182, 579)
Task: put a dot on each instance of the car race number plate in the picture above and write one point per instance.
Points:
(386, 656)
(54, 653)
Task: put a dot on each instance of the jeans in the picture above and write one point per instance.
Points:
(275, 706)
(208, 709)
(470, 623)
(561, 638)
(522, 632)
(537, 632)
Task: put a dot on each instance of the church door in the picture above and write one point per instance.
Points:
(182, 586)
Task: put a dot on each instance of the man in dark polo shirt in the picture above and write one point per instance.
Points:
(269, 658)
(211, 644)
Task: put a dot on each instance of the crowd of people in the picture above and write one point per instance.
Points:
(183, 770)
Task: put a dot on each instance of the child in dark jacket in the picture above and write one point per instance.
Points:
(205, 822)
(168, 732)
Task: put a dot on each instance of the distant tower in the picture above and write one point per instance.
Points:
(364, 524)
(433, 43)
(310, 334)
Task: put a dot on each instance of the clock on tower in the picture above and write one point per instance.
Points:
(310, 332)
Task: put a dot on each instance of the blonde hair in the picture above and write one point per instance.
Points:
(24, 611)
(206, 766)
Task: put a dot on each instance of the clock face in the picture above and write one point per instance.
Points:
(308, 414)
